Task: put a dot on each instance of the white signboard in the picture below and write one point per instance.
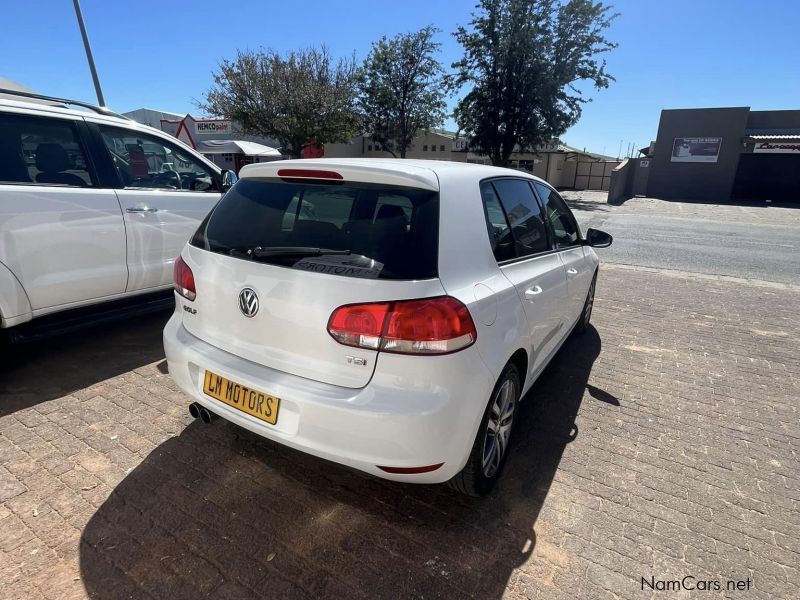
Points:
(782, 147)
(696, 149)
(459, 145)
(212, 127)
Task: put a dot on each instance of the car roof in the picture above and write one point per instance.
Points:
(393, 171)
(55, 110)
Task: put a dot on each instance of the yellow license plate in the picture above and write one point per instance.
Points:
(253, 402)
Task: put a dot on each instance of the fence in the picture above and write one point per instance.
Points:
(588, 175)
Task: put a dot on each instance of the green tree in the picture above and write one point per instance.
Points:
(523, 61)
(302, 97)
(402, 89)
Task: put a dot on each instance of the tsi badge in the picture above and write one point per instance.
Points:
(356, 360)
(248, 302)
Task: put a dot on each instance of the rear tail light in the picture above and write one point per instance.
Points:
(428, 326)
(184, 280)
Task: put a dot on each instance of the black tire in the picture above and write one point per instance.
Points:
(473, 479)
(5, 345)
(582, 326)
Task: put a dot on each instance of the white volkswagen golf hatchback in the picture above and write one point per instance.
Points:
(383, 314)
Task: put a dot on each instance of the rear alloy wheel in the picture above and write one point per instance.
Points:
(490, 449)
(586, 315)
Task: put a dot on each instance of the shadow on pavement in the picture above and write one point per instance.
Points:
(54, 367)
(220, 512)
(589, 205)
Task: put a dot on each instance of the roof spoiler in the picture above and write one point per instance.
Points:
(322, 169)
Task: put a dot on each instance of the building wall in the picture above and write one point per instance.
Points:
(153, 118)
(553, 165)
(773, 119)
(431, 146)
(169, 123)
(697, 181)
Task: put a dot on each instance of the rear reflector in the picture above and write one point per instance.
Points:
(410, 470)
(428, 326)
(183, 280)
(309, 174)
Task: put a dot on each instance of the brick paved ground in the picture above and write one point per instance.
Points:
(662, 444)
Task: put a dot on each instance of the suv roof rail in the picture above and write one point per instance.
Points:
(98, 109)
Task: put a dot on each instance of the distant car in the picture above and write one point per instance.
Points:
(396, 326)
(93, 206)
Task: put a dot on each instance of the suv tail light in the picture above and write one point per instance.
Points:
(183, 280)
(429, 326)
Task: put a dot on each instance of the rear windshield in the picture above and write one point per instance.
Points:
(352, 230)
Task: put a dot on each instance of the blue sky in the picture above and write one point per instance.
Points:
(672, 54)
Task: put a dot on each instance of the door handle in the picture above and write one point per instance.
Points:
(572, 271)
(531, 293)
(141, 209)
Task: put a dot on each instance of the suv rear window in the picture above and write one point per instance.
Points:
(390, 232)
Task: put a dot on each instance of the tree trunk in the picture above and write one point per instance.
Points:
(295, 151)
(498, 158)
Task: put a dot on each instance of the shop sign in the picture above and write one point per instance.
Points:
(777, 147)
(696, 149)
(212, 127)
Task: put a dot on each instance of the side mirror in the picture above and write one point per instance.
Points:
(598, 239)
(228, 179)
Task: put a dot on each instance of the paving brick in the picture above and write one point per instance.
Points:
(694, 472)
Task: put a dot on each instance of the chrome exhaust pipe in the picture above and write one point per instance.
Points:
(194, 410)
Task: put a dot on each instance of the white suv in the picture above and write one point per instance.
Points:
(383, 314)
(93, 206)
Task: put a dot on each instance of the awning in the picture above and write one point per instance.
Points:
(782, 138)
(236, 147)
(783, 134)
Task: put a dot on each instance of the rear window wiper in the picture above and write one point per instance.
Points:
(292, 251)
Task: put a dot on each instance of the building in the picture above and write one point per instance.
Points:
(720, 153)
(563, 166)
(220, 140)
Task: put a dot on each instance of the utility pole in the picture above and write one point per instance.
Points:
(100, 100)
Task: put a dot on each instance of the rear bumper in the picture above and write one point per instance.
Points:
(415, 411)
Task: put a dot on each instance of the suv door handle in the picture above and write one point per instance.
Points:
(141, 209)
(572, 271)
(533, 292)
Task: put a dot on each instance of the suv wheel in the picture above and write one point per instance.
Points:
(490, 449)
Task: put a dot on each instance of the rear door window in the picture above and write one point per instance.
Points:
(497, 225)
(42, 151)
(562, 223)
(524, 216)
(354, 230)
